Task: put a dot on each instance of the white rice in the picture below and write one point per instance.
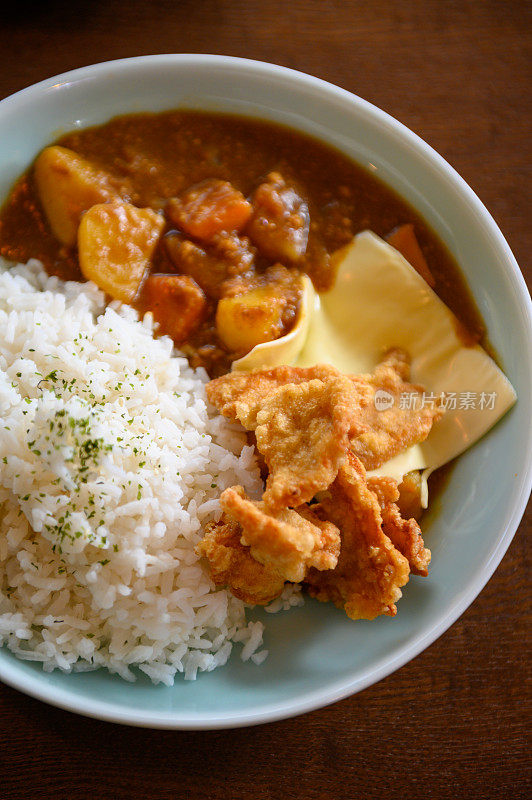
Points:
(111, 463)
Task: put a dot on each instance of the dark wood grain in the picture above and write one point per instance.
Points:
(453, 722)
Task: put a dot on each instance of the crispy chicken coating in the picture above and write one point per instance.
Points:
(288, 541)
(302, 432)
(405, 534)
(302, 418)
(240, 395)
(231, 564)
(318, 431)
(410, 501)
(391, 430)
(377, 433)
(370, 572)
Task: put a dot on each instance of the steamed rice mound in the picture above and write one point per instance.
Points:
(111, 463)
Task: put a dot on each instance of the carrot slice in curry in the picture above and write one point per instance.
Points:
(404, 239)
(176, 302)
(209, 208)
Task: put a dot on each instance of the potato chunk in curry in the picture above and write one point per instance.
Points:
(249, 319)
(259, 309)
(116, 242)
(68, 185)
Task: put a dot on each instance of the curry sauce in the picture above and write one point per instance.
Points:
(152, 158)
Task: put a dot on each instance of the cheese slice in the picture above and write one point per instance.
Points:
(379, 301)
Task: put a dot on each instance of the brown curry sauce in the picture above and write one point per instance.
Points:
(157, 156)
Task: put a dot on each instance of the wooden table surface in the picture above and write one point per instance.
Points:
(453, 721)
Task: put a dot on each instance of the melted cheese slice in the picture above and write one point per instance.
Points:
(379, 301)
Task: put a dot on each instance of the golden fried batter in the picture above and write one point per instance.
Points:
(405, 534)
(318, 430)
(302, 432)
(240, 395)
(385, 490)
(370, 572)
(289, 541)
(409, 502)
(376, 435)
(390, 431)
(231, 564)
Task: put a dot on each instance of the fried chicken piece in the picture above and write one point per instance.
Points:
(410, 495)
(288, 541)
(385, 490)
(370, 572)
(405, 534)
(302, 419)
(377, 435)
(303, 433)
(407, 537)
(240, 395)
(231, 564)
(391, 430)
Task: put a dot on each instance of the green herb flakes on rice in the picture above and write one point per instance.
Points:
(111, 463)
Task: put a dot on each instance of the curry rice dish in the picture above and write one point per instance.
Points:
(144, 505)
